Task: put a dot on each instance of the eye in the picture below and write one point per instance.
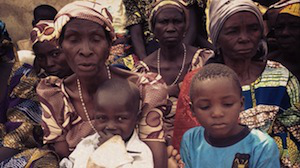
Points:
(96, 38)
(72, 38)
(162, 21)
(231, 32)
(178, 21)
(101, 118)
(122, 118)
(55, 53)
(204, 107)
(229, 104)
(254, 28)
(40, 57)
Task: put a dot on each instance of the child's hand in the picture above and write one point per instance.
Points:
(104, 136)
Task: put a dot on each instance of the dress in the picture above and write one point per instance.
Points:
(137, 12)
(252, 149)
(62, 123)
(199, 59)
(120, 54)
(112, 153)
(20, 128)
(272, 105)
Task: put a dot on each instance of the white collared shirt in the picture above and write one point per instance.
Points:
(113, 153)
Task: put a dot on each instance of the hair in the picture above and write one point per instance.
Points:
(214, 71)
(43, 12)
(121, 88)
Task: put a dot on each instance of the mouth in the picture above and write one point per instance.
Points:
(86, 66)
(218, 125)
(52, 73)
(244, 51)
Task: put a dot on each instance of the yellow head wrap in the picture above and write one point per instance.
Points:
(292, 9)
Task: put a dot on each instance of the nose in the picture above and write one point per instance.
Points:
(111, 127)
(217, 112)
(285, 31)
(170, 27)
(50, 62)
(243, 37)
(85, 49)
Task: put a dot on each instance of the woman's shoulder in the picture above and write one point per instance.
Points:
(200, 57)
(273, 69)
(50, 90)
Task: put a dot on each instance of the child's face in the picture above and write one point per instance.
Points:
(115, 117)
(216, 105)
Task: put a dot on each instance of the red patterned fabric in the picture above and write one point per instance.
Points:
(184, 119)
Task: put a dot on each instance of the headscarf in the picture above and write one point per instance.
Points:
(43, 31)
(292, 9)
(92, 11)
(221, 10)
(163, 4)
(287, 6)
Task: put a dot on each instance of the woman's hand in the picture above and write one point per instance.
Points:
(104, 136)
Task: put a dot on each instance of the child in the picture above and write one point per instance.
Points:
(216, 101)
(116, 143)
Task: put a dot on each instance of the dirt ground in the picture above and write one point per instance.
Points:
(18, 15)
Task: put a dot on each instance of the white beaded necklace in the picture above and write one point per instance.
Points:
(182, 66)
(82, 101)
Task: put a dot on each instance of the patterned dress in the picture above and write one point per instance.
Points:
(21, 129)
(62, 123)
(272, 105)
(198, 61)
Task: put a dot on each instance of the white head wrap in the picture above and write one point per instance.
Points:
(221, 10)
(93, 11)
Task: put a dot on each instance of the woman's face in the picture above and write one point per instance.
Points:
(240, 36)
(287, 33)
(86, 47)
(169, 27)
(51, 59)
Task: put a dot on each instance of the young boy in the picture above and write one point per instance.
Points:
(116, 143)
(216, 101)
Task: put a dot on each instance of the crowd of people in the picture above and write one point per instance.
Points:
(153, 83)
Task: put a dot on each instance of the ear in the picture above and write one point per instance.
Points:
(192, 108)
(242, 103)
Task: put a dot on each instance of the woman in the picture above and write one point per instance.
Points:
(169, 21)
(85, 34)
(286, 30)
(271, 92)
(20, 112)
(49, 59)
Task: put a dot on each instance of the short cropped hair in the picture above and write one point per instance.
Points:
(43, 12)
(121, 88)
(214, 71)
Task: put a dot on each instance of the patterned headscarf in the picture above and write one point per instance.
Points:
(292, 9)
(287, 6)
(43, 31)
(221, 10)
(92, 11)
(163, 4)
